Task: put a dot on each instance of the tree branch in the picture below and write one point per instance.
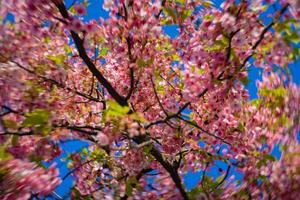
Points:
(203, 130)
(60, 85)
(260, 39)
(75, 169)
(167, 166)
(131, 60)
(157, 98)
(7, 110)
(160, 11)
(224, 178)
(83, 54)
(18, 133)
(138, 177)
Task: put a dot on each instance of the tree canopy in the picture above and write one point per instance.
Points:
(152, 108)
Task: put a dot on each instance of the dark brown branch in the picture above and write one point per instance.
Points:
(228, 54)
(72, 4)
(177, 163)
(203, 130)
(260, 39)
(157, 98)
(8, 111)
(170, 169)
(219, 77)
(58, 84)
(159, 121)
(18, 133)
(129, 47)
(125, 12)
(203, 175)
(82, 129)
(75, 169)
(83, 54)
(160, 11)
(92, 86)
(138, 177)
(131, 60)
(131, 84)
(186, 105)
(129, 52)
(167, 82)
(224, 178)
(167, 166)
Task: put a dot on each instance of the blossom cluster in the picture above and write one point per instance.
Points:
(152, 108)
(22, 179)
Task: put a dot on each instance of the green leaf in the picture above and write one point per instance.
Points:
(269, 157)
(200, 71)
(276, 96)
(10, 123)
(218, 191)
(138, 117)
(37, 117)
(283, 147)
(175, 57)
(98, 154)
(76, 194)
(72, 10)
(208, 4)
(104, 51)
(264, 161)
(293, 38)
(295, 54)
(256, 102)
(212, 184)
(285, 121)
(261, 163)
(245, 80)
(181, 1)
(85, 151)
(131, 183)
(166, 22)
(70, 165)
(4, 155)
(171, 13)
(186, 14)
(58, 59)
(14, 140)
(147, 149)
(47, 40)
(241, 127)
(262, 139)
(218, 45)
(143, 63)
(39, 120)
(86, 3)
(220, 178)
(67, 49)
(115, 110)
(266, 48)
(208, 17)
(128, 190)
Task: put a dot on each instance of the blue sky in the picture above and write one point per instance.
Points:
(95, 11)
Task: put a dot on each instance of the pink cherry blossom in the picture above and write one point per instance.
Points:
(102, 139)
(151, 107)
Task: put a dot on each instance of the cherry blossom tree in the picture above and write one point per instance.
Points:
(144, 101)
